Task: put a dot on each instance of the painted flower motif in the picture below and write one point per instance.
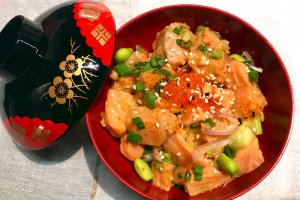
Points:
(71, 66)
(61, 90)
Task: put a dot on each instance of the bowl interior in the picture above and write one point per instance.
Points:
(274, 83)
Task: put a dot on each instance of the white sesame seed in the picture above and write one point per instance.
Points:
(134, 87)
(135, 112)
(191, 53)
(229, 69)
(166, 60)
(157, 124)
(202, 71)
(183, 63)
(147, 89)
(192, 62)
(186, 53)
(173, 49)
(182, 125)
(207, 62)
(234, 87)
(212, 111)
(156, 94)
(233, 110)
(188, 80)
(162, 157)
(168, 65)
(112, 110)
(118, 106)
(130, 62)
(248, 71)
(254, 129)
(231, 102)
(127, 87)
(229, 127)
(163, 110)
(212, 107)
(227, 80)
(207, 77)
(197, 136)
(191, 98)
(206, 100)
(161, 169)
(193, 110)
(174, 104)
(178, 154)
(209, 49)
(163, 83)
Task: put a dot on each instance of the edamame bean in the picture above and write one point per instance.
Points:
(227, 164)
(123, 54)
(142, 169)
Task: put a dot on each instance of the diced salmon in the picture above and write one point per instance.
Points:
(180, 144)
(165, 44)
(139, 55)
(117, 105)
(249, 158)
(163, 177)
(129, 150)
(124, 83)
(158, 125)
(149, 79)
(211, 178)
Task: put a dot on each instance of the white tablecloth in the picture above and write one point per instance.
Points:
(71, 169)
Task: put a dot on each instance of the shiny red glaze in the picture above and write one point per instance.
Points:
(274, 83)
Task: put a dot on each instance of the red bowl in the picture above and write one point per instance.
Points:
(274, 83)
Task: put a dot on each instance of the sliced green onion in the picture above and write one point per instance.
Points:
(253, 75)
(218, 34)
(180, 175)
(164, 72)
(183, 44)
(138, 122)
(194, 125)
(229, 151)
(210, 122)
(123, 70)
(149, 99)
(143, 66)
(167, 157)
(147, 149)
(134, 137)
(187, 176)
(139, 87)
(216, 54)
(173, 78)
(247, 62)
(198, 169)
(197, 177)
(238, 57)
(153, 62)
(203, 48)
(158, 86)
(177, 30)
(160, 60)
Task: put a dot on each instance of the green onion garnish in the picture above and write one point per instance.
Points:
(197, 177)
(210, 122)
(173, 78)
(147, 149)
(194, 125)
(203, 48)
(167, 157)
(153, 62)
(187, 176)
(180, 175)
(138, 122)
(198, 169)
(149, 99)
(134, 137)
(139, 87)
(156, 165)
(201, 29)
(229, 151)
(123, 70)
(160, 60)
(253, 75)
(164, 72)
(183, 44)
(143, 66)
(177, 30)
(216, 54)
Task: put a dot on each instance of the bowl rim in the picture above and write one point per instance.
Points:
(245, 23)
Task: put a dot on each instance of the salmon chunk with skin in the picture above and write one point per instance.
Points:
(117, 105)
(158, 125)
(166, 46)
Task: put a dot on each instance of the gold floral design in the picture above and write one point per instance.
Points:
(61, 90)
(71, 66)
(67, 88)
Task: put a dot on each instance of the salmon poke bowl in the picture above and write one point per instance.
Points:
(197, 105)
